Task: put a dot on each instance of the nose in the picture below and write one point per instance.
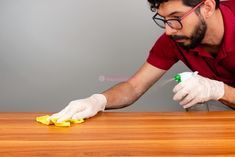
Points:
(169, 30)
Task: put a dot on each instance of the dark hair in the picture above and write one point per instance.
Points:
(154, 4)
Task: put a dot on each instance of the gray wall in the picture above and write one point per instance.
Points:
(55, 51)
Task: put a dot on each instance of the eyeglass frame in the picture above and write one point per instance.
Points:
(175, 19)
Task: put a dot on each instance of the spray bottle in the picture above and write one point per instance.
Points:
(184, 76)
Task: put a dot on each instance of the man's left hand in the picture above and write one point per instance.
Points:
(198, 89)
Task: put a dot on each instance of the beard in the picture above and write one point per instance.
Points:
(196, 38)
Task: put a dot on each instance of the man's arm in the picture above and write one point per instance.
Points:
(119, 96)
(229, 96)
(125, 93)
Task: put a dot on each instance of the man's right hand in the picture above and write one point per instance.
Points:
(83, 108)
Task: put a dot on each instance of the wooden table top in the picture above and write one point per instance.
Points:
(121, 134)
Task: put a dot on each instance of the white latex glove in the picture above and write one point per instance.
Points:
(198, 89)
(83, 108)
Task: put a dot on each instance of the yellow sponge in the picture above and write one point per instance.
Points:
(45, 120)
(75, 121)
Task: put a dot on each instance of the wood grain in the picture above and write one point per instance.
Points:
(121, 134)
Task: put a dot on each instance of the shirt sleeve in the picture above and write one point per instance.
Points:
(162, 55)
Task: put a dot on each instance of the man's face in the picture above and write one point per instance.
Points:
(194, 25)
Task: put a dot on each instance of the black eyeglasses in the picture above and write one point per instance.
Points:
(176, 22)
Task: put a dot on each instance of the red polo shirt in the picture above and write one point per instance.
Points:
(166, 52)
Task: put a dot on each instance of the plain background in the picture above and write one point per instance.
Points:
(56, 51)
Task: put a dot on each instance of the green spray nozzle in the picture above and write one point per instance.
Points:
(177, 78)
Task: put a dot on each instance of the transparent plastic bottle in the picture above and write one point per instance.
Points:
(184, 76)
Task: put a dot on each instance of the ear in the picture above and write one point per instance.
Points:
(208, 8)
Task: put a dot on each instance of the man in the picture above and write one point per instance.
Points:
(200, 33)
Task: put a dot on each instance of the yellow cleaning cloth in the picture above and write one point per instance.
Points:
(45, 120)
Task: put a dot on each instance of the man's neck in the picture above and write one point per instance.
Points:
(215, 33)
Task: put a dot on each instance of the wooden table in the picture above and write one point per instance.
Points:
(121, 134)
